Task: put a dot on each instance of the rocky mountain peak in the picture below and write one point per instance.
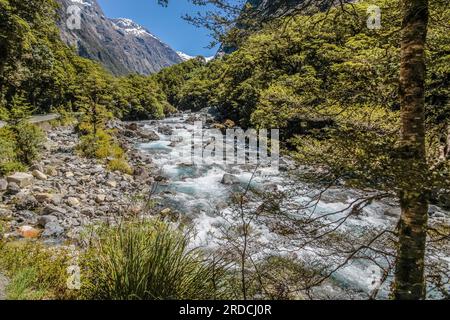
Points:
(128, 26)
(121, 45)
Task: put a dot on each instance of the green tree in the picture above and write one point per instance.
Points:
(335, 79)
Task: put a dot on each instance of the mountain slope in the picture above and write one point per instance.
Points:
(121, 45)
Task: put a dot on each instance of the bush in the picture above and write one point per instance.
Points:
(119, 165)
(19, 146)
(146, 260)
(102, 146)
(11, 167)
(21, 286)
(36, 272)
(7, 152)
(29, 139)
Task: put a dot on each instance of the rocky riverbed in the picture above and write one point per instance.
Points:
(64, 192)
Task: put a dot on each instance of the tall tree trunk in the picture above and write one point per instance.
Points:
(409, 276)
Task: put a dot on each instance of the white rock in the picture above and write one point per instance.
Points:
(111, 183)
(229, 179)
(100, 198)
(69, 174)
(73, 202)
(39, 175)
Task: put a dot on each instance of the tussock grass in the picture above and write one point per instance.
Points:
(148, 261)
(36, 271)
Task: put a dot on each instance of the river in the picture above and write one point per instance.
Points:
(197, 191)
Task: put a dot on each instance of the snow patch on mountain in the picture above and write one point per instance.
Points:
(186, 57)
(131, 27)
(85, 3)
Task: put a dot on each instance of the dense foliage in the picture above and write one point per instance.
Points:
(35, 64)
(147, 260)
(331, 85)
(40, 74)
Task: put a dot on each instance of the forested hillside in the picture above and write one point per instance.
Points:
(334, 82)
(120, 45)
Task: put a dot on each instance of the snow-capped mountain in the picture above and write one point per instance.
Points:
(186, 57)
(121, 45)
(131, 27)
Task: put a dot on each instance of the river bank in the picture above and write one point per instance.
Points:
(64, 193)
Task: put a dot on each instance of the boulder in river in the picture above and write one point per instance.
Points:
(149, 135)
(132, 126)
(229, 179)
(166, 130)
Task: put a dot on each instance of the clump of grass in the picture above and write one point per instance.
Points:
(119, 165)
(11, 167)
(66, 118)
(21, 286)
(102, 145)
(36, 272)
(146, 261)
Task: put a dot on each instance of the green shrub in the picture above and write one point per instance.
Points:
(103, 146)
(146, 260)
(11, 167)
(21, 286)
(19, 146)
(8, 161)
(36, 272)
(120, 165)
(7, 153)
(29, 139)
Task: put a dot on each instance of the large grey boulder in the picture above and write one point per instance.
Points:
(3, 185)
(149, 135)
(166, 130)
(21, 179)
(52, 229)
(44, 220)
(39, 175)
(229, 179)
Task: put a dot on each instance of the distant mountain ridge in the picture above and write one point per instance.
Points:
(121, 45)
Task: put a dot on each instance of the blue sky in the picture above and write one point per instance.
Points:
(164, 22)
